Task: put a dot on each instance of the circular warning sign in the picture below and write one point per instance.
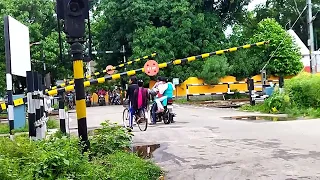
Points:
(151, 68)
(109, 69)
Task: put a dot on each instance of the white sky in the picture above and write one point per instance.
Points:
(251, 7)
(254, 3)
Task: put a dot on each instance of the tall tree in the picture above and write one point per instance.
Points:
(286, 12)
(174, 29)
(39, 16)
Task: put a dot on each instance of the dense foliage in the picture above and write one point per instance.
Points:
(39, 16)
(284, 56)
(61, 158)
(173, 29)
(300, 98)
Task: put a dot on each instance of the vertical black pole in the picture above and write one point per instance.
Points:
(90, 37)
(41, 95)
(37, 98)
(60, 40)
(62, 114)
(77, 55)
(9, 76)
(31, 106)
(250, 84)
(281, 82)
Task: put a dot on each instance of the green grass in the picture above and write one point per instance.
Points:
(4, 127)
(52, 124)
(5, 115)
(125, 165)
(257, 108)
(181, 101)
(295, 112)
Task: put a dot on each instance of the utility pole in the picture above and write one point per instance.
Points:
(124, 57)
(311, 38)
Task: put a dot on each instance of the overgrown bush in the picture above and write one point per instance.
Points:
(301, 98)
(110, 138)
(303, 90)
(50, 159)
(277, 102)
(61, 158)
(129, 166)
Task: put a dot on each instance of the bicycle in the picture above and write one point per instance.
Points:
(140, 119)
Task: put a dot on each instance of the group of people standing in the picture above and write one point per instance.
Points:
(139, 97)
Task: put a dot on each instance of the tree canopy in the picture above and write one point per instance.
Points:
(173, 29)
(39, 16)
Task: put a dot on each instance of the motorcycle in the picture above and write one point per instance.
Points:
(167, 116)
(70, 101)
(101, 100)
(88, 100)
(115, 99)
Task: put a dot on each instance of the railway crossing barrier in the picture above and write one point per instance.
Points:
(255, 95)
(35, 97)
(162, 65)
(106, 70)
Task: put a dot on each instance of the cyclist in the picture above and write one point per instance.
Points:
(141, 99)
(130, 95)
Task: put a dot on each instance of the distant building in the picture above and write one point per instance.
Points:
(305, 59)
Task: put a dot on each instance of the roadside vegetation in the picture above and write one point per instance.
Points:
(300, 98)
(4, 127)
(61, 158)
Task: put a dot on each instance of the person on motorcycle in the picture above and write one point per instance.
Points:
(130, 96)
(162, 94)
(70, 100)
(102, 92)
(141, 99)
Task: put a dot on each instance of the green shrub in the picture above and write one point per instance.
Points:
(110, 138)
(277, 102)
(60, 158)
(125, 166)
(303, 90)
(55, 106)
(50, 159)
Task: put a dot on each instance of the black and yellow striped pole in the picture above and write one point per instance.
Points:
(162, 65)
(77, 57)
(105, 71)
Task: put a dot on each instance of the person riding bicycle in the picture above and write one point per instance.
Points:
(141, 99)
(130, 96)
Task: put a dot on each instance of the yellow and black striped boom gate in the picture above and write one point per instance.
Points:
(162, 65)
(53, 92)
(105, 71)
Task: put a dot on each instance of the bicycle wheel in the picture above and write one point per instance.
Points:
(143, 120)
(125, 118)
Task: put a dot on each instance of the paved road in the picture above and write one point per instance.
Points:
(203, 146)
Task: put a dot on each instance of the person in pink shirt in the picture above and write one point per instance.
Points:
(140, 98)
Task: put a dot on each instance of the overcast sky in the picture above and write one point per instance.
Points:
(252, 5)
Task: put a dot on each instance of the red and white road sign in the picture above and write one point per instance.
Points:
(151, 68)
(109, 69)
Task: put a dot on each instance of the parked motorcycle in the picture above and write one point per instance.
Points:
(115, 99)
(70, 100)
(88, 100)
(101, 100)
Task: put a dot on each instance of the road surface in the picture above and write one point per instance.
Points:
(202, 146)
